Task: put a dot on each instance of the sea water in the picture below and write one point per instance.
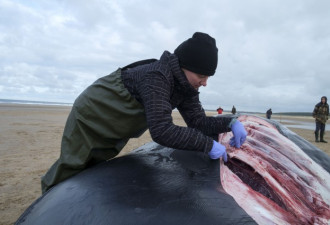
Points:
(301, 125)
(12, 101)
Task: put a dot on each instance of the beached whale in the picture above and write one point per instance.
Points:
(276, 177)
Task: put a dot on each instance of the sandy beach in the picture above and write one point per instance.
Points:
(30, 137)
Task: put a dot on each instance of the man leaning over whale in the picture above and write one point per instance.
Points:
(141, 96)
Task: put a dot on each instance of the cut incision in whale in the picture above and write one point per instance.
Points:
(272, 179)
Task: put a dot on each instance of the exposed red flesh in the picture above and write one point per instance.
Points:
(273, 180)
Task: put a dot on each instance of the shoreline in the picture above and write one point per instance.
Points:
(30, 137)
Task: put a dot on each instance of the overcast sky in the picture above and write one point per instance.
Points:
(272, 53)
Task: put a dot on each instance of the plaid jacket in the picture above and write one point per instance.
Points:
(321, 112)
(160, 87)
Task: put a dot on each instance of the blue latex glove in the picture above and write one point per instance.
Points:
(217, 151)
(239, 134)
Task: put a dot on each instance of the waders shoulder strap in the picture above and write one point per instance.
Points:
(139, 63)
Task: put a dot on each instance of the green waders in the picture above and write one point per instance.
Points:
(102, 120)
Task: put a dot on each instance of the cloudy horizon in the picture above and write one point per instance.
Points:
(272, 54)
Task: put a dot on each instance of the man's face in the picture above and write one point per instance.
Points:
(323, 100)
(196, 80)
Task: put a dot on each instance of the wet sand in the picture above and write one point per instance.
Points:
(30, 137)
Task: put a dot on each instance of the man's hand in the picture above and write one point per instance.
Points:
(239, 134)
(217, 151)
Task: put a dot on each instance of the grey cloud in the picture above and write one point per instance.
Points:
(269, 52)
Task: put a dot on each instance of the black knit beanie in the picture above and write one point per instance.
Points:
(198, 54)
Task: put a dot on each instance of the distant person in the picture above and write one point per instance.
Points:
(269, 113)
(141, 96)
(219, 110)
(233, 110)
(321, 115)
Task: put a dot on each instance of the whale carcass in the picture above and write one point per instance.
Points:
(276, 177)
(277, 182)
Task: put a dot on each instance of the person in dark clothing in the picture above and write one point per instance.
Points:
(233, 110)
(269, 113)
(141, 96)
(321, 115)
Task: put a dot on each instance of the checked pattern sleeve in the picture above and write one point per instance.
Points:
(194, 116)
(156, 98)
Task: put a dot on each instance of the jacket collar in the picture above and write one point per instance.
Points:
(181, 83)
